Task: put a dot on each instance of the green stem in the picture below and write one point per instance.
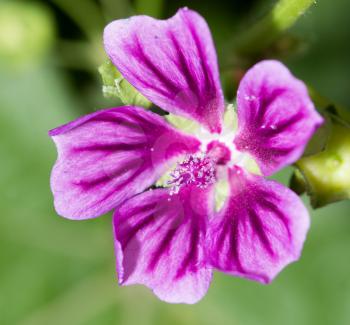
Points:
(263, 33)
(85, 13)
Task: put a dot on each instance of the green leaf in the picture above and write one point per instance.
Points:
(327, 173)
(116, 86)
(269, 29)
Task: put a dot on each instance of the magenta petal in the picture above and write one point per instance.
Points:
(260, 229)
(108, 156)
(159, 241)
(172, 62)
(276, 117)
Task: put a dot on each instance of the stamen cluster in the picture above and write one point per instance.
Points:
(198, 170)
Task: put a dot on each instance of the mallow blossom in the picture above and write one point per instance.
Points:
(171, 238)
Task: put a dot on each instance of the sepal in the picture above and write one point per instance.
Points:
(116, 86)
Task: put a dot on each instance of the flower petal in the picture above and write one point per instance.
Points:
(260, 229)
(276, 117)
(159, 243)
(171, 62)
(108, 156)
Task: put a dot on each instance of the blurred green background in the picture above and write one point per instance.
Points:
(56, 271)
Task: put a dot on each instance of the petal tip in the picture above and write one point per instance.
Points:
(276, 115)
(278, 224)
(155, 256)
(159, 58)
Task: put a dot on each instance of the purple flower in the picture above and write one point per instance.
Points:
(170, 239)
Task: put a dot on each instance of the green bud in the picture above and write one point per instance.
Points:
(327, 173)
(27, 33)
(116, 86)
(320, 139)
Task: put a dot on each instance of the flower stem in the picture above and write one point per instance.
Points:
(86, 14)
(263, 33)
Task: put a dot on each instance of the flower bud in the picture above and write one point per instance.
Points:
(327, 173)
